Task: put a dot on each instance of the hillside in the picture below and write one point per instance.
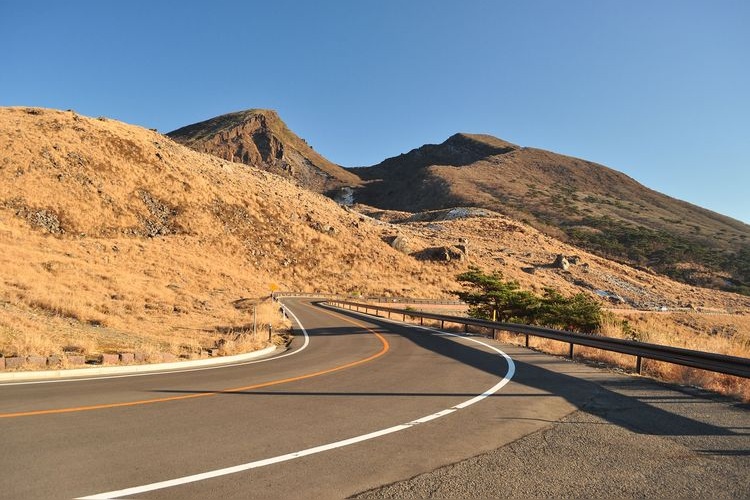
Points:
(258, 137)
(114, 235)
(578, 201)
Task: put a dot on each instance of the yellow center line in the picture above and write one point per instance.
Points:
(383, 350)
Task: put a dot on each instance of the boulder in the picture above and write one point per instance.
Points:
(400, 243)
(441, 254)
(463, 246)
(561, 262)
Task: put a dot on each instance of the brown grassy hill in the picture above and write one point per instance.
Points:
(258, 137)
(579, 201)
(112, 235)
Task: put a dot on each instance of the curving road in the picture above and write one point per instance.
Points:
(357, 403)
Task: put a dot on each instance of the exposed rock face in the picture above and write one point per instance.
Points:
(260, 138)
(344, 196)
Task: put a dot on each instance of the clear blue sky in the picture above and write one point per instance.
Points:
(659, 90)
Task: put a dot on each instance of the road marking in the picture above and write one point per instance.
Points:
(384, 348)
(136, 490)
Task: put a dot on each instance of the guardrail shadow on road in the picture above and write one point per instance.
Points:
(594, 398)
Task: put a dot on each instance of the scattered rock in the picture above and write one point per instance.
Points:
(160, 221)
(441, 254)
(529, 270)
(401, 243)
(463, 245)
(38, 217)
(616, 299)
(561, 262)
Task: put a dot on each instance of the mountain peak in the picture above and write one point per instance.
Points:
(260, 138)
(458, 150)
(495, 145)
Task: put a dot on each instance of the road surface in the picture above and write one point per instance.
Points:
(357, 403)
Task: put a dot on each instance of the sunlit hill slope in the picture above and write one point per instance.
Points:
(575, 200)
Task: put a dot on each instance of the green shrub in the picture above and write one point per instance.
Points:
(490, 297)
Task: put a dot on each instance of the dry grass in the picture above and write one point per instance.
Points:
(113, 237)
(689, 331)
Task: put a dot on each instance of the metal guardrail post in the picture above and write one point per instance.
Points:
(638, 364)
(720, 363)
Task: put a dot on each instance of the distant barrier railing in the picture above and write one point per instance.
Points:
(392, 300)
(720, 363)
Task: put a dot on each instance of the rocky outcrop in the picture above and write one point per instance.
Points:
(258, 137)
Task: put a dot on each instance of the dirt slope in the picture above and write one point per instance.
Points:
(575, 200)
(258, 137)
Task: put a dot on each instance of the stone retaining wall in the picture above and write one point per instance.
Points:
(77, 360)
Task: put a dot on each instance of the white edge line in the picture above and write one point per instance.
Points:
(155, 369)
(326, 447)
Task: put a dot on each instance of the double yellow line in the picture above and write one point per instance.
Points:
(385, 346)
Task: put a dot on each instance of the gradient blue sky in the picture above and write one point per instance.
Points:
(659, 90)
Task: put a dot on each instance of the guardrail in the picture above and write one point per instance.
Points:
(720, 363)
(393, 300)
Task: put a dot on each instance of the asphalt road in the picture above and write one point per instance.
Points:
(324, 420)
